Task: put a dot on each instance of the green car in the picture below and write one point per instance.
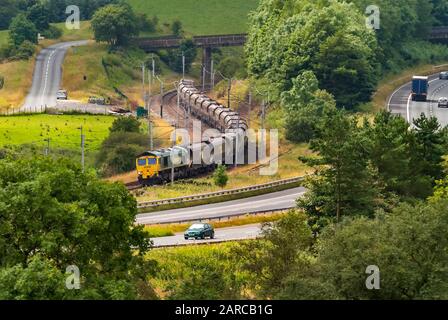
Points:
(200, 231)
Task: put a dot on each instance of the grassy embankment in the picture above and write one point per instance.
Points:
(176, 265)
(200, 17)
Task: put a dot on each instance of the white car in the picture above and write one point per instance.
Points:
(62, 95)
(443, 102)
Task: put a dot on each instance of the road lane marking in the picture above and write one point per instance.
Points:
(222, 208)
(409, 102)
(46, 77)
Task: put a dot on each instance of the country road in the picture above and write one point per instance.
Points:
(47, 76)
(221, 235)
(401, 103)
(272, 201)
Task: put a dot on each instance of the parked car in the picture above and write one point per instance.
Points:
(62, 95)
(97, 100)
(443, 75)
(443, 102)
(200, 231)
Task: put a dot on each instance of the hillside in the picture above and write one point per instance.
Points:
(200, 17)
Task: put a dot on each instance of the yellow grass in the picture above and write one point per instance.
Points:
(18, 78)
(86, 61)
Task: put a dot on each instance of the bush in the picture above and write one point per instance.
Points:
(232, 67)
(2, 81)
(146, 24)
(25, 50)
(119, 151)
(52, 32)
(176, 28)
(130, 124)
(220, 176)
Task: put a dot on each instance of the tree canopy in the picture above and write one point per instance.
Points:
(115, 24)
(52, 215)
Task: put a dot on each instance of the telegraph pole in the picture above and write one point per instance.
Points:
(47, 150)
(183, 65)
(82, 149)
(143, 84)
(153, 68)
(161, 96)
(228, 92)
(212, 75)
(250, 107)
(151, 142)
(175, 133)
(203, 78)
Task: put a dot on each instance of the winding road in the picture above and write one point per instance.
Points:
(47, 76)
(285, 199)
(401, 103)
(221, 235)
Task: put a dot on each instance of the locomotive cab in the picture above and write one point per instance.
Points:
(148, 166)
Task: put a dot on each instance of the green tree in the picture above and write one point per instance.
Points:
(305, 107)
(188, 49)
(343, 183)
(409, 246)
(50, 208)
(8, 12)
(391, 150)
(125, 124)
(40, 16)
(119, 151)
(329, 38)
(220, 176)
(429, 152)
(115, 24)
(22, 29)
(176, 28)
(284, 249)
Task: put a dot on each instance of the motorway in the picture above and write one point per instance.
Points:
(221, 235)
(273, 201)
(47, 76)
(401, 103)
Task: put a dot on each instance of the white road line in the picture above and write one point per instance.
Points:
(46, 77)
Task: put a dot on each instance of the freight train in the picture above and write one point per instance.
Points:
(158, 166)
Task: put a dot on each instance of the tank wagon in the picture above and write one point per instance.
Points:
(156, 167)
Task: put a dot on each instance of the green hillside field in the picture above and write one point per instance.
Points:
(200, 17)
(63, 130)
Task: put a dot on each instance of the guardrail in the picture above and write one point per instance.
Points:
(156, 203)
(225, 217)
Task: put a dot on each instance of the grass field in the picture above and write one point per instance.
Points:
(63, 130)
(200, 17)
(3, 37)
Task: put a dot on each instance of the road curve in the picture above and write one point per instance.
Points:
(401, 103)
(272, 201)
(221, 235)
(47, 76)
